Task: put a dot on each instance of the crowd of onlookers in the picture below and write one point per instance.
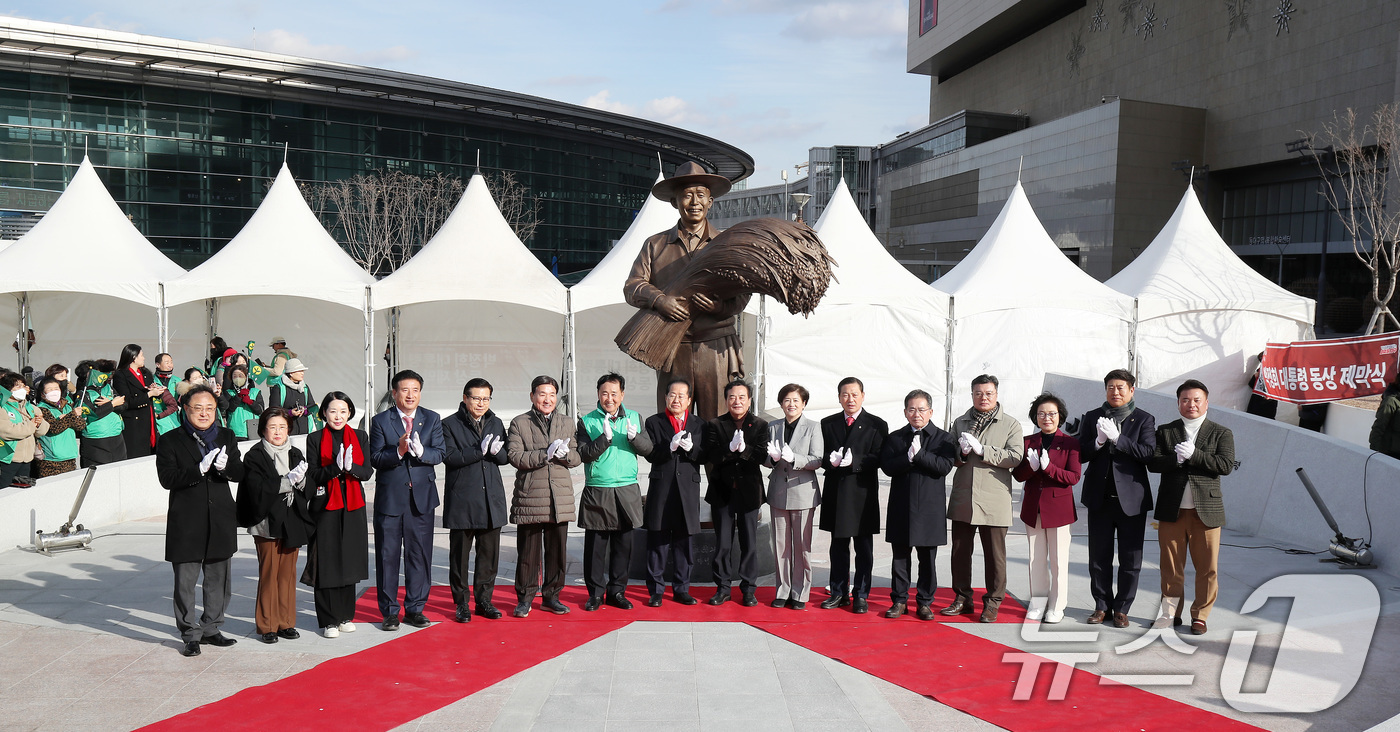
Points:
(104, 411)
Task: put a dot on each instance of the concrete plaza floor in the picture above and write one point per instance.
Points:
(87, 639)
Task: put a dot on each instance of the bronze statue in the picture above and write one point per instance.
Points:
(690, 284)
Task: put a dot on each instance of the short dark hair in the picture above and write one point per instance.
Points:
(1192, 384)
(477, 383)
(198, 389)
(918, 394)
(44, 383)
(9, 380)
(542, 380)
(56, 369)
(801, 390)
(1047, 398)
(850, 380)
(270, 413)
(161, 355)
(1120, 375)
(335, 396)
(193, 370)
(737, 383)
(690, 392)
(407, 374)
(985, 379)
(610, 376)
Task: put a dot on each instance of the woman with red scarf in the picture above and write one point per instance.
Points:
(135, 382)
(337, 556)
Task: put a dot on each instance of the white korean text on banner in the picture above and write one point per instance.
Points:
(1312, 372)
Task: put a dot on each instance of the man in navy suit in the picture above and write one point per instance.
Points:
(1115, 442)
(404, 444)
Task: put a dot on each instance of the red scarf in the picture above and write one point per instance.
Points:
(140, 379)
(346, 491)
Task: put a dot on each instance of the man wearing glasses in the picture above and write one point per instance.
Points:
(474, 508)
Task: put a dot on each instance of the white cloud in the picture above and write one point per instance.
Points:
(278, 40)
(870, 19)
(603, 100)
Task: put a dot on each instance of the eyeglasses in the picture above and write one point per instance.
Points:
(479, 400)
(917, 410)
(1046, 415)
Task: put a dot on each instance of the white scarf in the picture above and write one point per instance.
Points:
(298, 385)
(282, 462)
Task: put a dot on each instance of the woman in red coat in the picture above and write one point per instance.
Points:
(1049, 470)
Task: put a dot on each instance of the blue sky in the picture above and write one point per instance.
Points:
(773, 77)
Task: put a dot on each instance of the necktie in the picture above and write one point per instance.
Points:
(408, 426)
(850, 420)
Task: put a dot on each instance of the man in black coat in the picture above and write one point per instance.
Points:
(1115, 442)
(852, 440)
(736, 444)
(474, 502)
(672, 510)
(196, 463)
(917, 457)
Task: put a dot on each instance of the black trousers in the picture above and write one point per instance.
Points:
(334, 605)
(610, 551)
(993, 558)
(899, 571)
(540, 547)
(488, 559)
(674, 544)
(1104, 522)
(841, 565)
(726, 520)
(410, 536)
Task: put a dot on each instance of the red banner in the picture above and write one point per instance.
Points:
(1312, 372)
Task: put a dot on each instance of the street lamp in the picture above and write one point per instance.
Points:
(785, 195)
(801, 200)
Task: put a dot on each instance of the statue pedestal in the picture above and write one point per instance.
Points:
(703, 554)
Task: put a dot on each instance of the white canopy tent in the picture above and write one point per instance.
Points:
(1202, 312)
(475, 302)
(1019, 308)
(85, 279)
(873, 303)
(282, 275)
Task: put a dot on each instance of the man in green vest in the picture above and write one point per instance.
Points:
(281, 355)
(609, 440)
(168, 414)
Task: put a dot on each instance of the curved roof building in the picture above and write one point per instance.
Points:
(189, 135)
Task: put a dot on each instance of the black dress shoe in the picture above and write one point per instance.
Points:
(288, 633)
(416, 620)
(217, 639)
(521, 610)
(959, 607)
(488, 611)
(835, 601)
(859, 606)
(749, 599)
(654, 601)
(896, 610)
(552, 604)
(795, 605)
(720, 597)
(780, 602)
(391, 622)
(592, 604)
(620, 602)
(684, 598)
(463, 615)
(924, 613)
(191, 648)
(268, 637)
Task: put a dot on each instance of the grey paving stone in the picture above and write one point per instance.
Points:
(653, 707)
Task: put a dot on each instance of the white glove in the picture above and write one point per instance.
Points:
(973, 444)
(549, 452)
(687, 442)
(631, 430)
(834, 458)
(787, 454)
(416, 446)
(340, 457)
(676, 440)
(562, 451)
(1103, 435)
(296, 474)
(1033, 459)
(736, 443)
(208, 461)
(914, 447)
(1044, 460)
(349, 457)
(496, 444)
(222, 459)
(846, 458)
(1184, 451)
(607, 428)
(1109, 430)
(963, 445)
(775, 452)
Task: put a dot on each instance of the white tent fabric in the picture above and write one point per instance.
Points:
(474, 302)
(873, 303)
(110, 298)
(1202, 312)
(1021, 309)
(282, 275)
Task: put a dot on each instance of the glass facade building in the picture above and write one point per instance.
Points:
(188, 136)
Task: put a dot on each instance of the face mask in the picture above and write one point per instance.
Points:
(52, 396)
(19, 394)
(239, 381)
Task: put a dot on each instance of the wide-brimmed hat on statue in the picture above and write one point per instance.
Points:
(687, 175)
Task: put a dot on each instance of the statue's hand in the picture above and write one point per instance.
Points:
(672, 308)
(704, 303)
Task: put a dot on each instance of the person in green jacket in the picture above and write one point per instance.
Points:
(102, 441)
(241, 402)
(60, 445)
(609, 440)
(168, 408)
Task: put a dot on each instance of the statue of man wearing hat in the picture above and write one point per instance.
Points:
(710, 356)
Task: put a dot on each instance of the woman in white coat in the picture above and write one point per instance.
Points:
(794, 453)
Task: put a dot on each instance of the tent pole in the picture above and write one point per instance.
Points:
(22, 337)
(1132, 342)
(211, 312)
(948, 368)
(369, 358)
(570, 365)
(394, 314)
(162, 321)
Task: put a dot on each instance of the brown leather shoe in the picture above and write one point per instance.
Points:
(1120, 620)
(1198, 627)
(959, 607)
(1096, 617)
(989, 614)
